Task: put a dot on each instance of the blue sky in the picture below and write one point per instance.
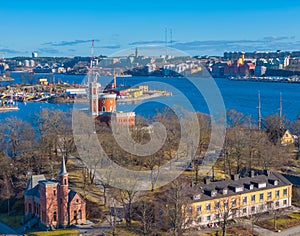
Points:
(65, 28)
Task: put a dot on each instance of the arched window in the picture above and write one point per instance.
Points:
(75, 215)
(79, 215)
(65, 182)
(54, 216)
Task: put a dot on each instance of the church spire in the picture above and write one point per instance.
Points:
(63, 170)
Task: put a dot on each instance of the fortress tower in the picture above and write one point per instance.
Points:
(107, 102)
(93, 97)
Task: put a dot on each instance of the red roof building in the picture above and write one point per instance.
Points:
(51, 204)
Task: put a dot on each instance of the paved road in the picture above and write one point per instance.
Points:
(5, 229)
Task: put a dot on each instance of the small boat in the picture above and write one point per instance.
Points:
(8, 105)
(123, 76)
(6, 79)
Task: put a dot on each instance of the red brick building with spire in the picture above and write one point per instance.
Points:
(51, 203)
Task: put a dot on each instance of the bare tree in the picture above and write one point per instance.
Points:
(176, 205)
(126, 197)
(145, 214)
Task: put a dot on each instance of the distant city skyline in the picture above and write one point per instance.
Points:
(66, 28)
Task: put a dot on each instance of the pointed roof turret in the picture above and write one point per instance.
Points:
(63, 170)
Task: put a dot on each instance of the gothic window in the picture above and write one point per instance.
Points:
(54, 216)
(29, 207)
(75, 215)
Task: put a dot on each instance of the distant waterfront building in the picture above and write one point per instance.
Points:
(51, 204)
(260, 71)
(239, 67)
(26, 63)
(34, 54)
(31, 63)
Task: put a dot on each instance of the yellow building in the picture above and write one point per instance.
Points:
(43, 81)
(239, 197)
(287, 138)
(134, 93)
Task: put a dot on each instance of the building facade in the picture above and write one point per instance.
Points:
(239, 197)
(51, 203)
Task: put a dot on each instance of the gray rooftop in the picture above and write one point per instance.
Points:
(34, 180)
(243, 182)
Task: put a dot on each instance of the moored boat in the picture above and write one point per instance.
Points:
(8, 105)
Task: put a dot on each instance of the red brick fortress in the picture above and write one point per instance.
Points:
(51, 203)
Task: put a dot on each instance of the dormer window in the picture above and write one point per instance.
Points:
(236, 188)
(273, 181)
(249, 186)
(260, 184)
(211, 192)
(222, 190)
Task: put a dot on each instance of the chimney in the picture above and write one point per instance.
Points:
(235, 176)
(207, 180)
(266, 172)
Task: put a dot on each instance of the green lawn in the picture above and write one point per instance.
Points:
(58, 232)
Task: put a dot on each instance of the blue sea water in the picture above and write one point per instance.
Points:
(237, 95)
